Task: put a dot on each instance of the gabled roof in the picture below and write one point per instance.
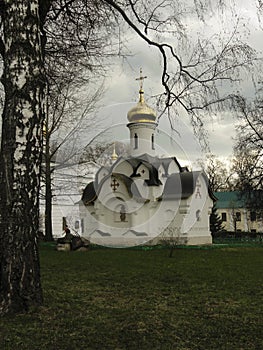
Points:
(180, 185)
(167, 161)
(152, 163)
(130, 186)
(89, 194)
(92, 190)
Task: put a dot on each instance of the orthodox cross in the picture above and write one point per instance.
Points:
(114, 185)
(141, 78)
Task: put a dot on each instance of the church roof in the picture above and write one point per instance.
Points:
(152, 163)
(180, 185)
(89, 194)
(91, 191)
(130, 186)
(166, 162)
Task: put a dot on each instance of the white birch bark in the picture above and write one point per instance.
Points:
(20, 156)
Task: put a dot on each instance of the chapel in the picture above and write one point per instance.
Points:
(143, 198)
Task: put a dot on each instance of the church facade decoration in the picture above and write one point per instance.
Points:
(144, 198)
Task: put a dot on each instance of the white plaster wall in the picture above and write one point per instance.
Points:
(144, 132)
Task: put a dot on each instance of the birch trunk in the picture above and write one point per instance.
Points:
(20, 157)
(48, 192)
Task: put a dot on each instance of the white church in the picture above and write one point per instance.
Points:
(144, 198)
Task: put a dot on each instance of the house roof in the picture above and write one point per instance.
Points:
(231, 199)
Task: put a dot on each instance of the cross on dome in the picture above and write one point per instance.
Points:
(141, 113)
(141, 78)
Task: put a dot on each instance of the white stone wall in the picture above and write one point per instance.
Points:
(144, 132)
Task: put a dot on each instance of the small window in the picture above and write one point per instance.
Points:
(153, 141)
(135, 141)
(64, 222)
(76, 224)
(223, 216)
(253, 216)
(238, 216)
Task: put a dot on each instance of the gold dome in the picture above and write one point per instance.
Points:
(114, 155)
(141, 113)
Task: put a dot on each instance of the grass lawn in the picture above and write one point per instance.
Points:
(141, 299)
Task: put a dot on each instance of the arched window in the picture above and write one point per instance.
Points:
(120, 214)
(135, 141)
(123, 213)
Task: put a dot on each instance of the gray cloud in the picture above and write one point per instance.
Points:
(121, 85)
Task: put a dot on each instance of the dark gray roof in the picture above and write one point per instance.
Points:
(130, 185)
(152, 163)
(180, 185)
(92, 190)
(167, 161)
(89, 194)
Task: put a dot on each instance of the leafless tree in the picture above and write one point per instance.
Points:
(219, 174)
(64, 112)
(192, 72)
(248, 152)
(30, 41)
(172, 238)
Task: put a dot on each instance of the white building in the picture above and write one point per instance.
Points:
(66, 195)
(143, 198)
(235, 213)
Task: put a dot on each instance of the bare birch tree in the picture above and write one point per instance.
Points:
(24, 81)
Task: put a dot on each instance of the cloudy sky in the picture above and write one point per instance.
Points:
(121, 88)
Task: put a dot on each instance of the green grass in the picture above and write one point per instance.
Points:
(137, 299)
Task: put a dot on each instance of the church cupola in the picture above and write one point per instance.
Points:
(142, 125)
(114, 155)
